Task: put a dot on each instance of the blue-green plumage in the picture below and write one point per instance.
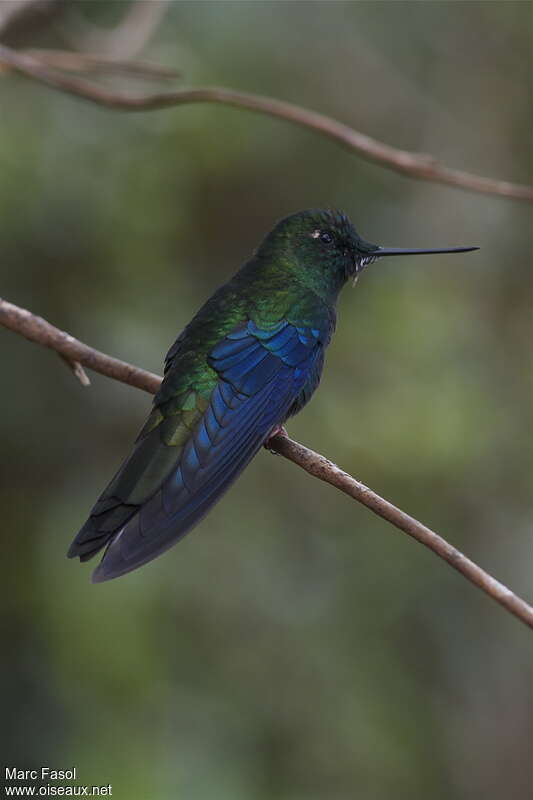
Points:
(250, 358)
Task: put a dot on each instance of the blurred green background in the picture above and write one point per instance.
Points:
(293, 647)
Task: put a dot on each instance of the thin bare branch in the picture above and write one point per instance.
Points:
(39, 330)
(126, 39)
(71, 61)
(76, 369)
(17, 11)
(42, 332)
(320, 467)
(416, 165)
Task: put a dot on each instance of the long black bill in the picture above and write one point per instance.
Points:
(397, 251)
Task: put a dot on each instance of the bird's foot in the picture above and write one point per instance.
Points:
(278, 431)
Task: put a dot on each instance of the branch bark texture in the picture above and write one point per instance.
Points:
(38, 330)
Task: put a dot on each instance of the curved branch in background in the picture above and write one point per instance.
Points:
(416, 165)
(72, 61)
(38, 330)
(125, 40)
(14, 13)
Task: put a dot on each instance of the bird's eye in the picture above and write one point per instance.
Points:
(326, 237)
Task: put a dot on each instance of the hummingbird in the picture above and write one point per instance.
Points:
(251, 358)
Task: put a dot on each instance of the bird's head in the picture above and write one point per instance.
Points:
(325, 247)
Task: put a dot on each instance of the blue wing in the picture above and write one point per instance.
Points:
(262, 374)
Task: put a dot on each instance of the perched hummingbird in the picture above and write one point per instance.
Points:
(250, 358)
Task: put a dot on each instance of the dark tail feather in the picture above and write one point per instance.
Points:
(100, 528)
(154, 530)
(240, 416)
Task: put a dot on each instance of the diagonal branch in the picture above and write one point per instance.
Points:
(416, 165)
(15, 12)
(71, 61)
(125, 40)
(38, 330)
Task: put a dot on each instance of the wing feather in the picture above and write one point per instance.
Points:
(163, 490)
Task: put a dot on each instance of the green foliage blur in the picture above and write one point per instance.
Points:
(293, 647)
